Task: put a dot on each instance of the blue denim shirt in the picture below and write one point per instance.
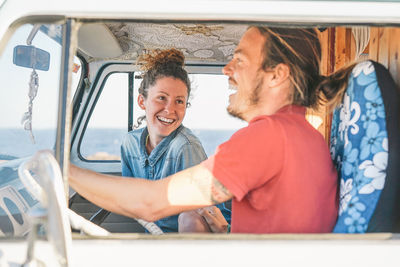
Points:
(176, 152)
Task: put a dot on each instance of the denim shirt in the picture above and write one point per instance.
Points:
(178, 151)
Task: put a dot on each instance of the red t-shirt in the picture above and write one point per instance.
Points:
(281, 175)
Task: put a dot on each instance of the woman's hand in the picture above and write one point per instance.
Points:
(214, 218)
(203, 220)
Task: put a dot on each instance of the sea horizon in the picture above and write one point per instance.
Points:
(17, 143)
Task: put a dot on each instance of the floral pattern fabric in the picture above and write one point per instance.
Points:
(359, 149)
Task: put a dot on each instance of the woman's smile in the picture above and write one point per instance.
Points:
(165, 107)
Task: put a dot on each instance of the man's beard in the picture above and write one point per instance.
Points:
(234, 113)
(253, 99)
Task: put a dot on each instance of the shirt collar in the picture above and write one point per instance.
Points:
(301, 110)
(159, 150)
(289, 109)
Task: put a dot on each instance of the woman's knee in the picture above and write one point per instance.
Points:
(192, 222)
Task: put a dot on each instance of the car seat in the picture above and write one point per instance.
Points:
(365, 149)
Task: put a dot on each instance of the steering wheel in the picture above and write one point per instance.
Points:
(41, 175)
(48, 188)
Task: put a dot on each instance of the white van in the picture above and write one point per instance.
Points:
(69, 85)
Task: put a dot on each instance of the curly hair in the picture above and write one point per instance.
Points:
(158, 64)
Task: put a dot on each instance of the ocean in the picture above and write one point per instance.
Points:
(16, 143)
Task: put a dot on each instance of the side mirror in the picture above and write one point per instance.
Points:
(31, 57)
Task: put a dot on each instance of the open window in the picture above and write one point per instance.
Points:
(29, 106)
(108, 121)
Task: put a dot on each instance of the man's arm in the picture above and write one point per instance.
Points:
(150, 200)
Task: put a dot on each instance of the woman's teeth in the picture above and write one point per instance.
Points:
(166, 120)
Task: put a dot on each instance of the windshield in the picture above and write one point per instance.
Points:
(15, 141)
(28, 104)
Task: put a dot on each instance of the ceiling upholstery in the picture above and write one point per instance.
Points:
(200, 43)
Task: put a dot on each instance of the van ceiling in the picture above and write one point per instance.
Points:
(201, 43)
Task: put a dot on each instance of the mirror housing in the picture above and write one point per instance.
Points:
(31, 57)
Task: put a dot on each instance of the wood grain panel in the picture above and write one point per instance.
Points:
(327, 40)
(394, 52)
(341, 46)
(383, 48)
(374, 44)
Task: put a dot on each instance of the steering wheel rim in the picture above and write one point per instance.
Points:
(47, 186)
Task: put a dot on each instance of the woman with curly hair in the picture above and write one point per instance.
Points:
(165, 146)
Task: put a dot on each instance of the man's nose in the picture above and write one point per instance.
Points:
(227, 70)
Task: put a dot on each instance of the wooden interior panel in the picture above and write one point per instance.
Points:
(394, 51)
(384, 47)
(352, 43)
(374, 43)
(327, 38)
(342, 47)
(338, 50)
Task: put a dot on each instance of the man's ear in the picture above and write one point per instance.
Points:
(140, 101)
(281, 73)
